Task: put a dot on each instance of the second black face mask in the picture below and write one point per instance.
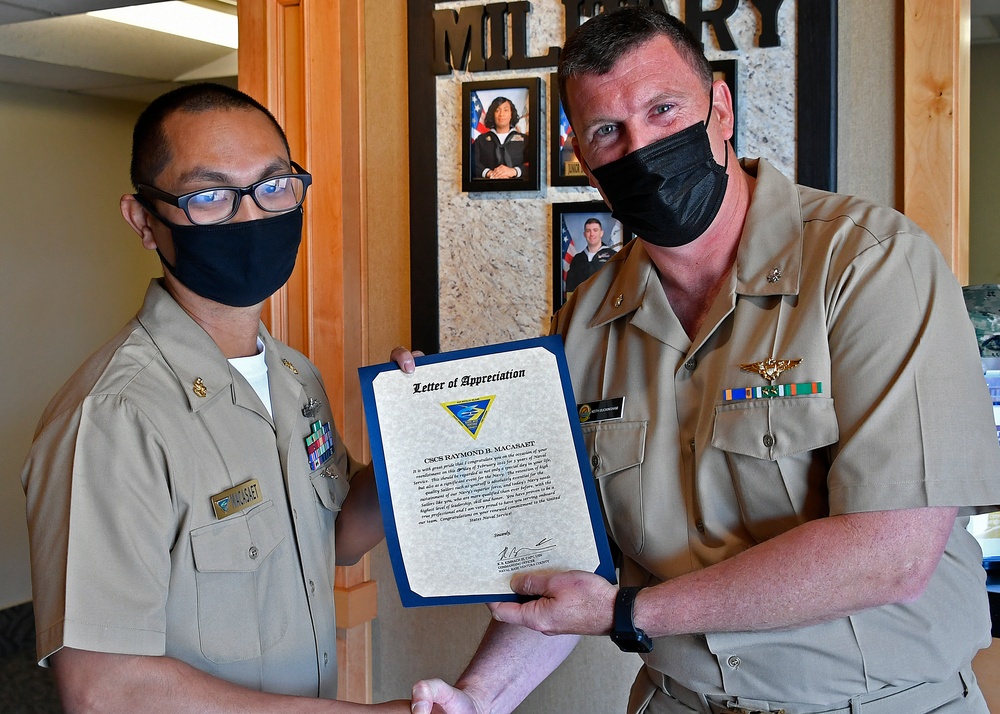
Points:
(236, 264)
(670, 191)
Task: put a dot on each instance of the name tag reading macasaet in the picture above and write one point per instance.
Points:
(237, 499)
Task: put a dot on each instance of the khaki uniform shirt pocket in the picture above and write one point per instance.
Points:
(774, 450)
(232, 560)
(331, 487)
(616, 450)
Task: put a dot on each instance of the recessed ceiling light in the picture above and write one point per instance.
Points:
(178, 18)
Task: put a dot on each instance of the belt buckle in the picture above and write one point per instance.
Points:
(734, 709)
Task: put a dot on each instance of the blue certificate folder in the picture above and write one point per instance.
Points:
(467, 419)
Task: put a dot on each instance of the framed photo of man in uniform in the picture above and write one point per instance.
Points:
(585, 236)
(566, 168)
(500, 135)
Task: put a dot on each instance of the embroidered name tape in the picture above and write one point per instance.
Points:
(237, 499)
(772, 391)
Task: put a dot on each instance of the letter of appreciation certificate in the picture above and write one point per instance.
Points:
(481, 471)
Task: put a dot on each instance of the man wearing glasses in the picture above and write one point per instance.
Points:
(185, 486)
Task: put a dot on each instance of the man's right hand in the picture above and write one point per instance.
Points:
(435, 696)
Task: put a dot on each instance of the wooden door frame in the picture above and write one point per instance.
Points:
(936, 52)
(304, 60)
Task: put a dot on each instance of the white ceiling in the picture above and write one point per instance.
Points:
(52, 44)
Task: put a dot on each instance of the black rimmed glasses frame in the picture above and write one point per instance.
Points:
(300, 177)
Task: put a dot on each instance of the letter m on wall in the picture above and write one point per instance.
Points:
(459, 40)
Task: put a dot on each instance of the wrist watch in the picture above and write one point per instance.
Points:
(624, 633)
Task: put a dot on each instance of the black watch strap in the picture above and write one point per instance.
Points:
(624, 633)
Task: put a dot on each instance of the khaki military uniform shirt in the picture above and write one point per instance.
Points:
(893, 413)
(127, 553)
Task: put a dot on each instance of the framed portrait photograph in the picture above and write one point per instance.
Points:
(584, 237)
(566, 168)
(500, 138)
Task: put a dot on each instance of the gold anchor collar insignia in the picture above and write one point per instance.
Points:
(770, 368)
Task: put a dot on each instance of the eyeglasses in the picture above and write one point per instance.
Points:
(276, 194)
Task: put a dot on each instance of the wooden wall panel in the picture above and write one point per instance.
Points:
(936, 124)
(303, 59)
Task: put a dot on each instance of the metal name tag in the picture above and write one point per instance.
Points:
(601, 411)
(237, 499)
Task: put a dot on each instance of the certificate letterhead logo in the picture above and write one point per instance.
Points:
(470, 413)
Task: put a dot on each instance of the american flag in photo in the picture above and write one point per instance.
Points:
(477, 117)
(568, 251)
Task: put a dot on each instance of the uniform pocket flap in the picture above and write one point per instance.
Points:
(239, 543)
(331, 487)
(773, 428)
(614, 446)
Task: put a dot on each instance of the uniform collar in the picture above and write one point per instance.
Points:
(769, 259)
(285, 367)
(636, 291)
(628, 290)
(202, 371)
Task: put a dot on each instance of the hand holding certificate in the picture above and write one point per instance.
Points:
(481, 472)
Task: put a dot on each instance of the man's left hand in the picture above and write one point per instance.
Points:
(573, 602)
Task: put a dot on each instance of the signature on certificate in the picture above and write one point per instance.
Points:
(510, 551)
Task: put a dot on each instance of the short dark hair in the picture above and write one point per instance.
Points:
(491, 123)
(593, 220)
(150, 147)
(600, 42)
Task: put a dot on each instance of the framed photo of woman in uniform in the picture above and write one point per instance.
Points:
(500, 146)
(566, 168)
(585, 236)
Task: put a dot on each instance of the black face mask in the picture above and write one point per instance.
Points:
(236, 264)
(670, 191)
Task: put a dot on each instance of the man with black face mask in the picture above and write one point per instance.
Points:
(801, 418)
(185, 486)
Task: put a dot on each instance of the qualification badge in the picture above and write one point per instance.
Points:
(311, 408)
(770, 369)
(319, 444)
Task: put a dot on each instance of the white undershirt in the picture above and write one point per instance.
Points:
(254, 371)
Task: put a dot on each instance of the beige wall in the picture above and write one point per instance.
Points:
(71, 271)
(870, 74)
(984, 173)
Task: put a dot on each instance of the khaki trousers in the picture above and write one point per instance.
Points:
(655, 693)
